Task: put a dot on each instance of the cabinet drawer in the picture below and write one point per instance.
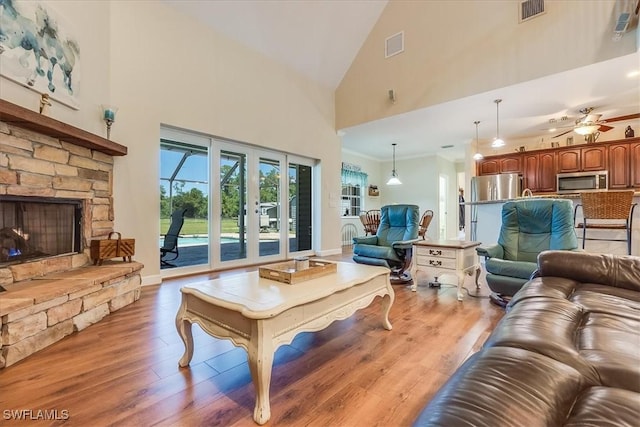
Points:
(436, 252)
(436, 262)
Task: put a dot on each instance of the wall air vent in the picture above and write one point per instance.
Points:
(621, 25)
(394, 44)
(529, 9)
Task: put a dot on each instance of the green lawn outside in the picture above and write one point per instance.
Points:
(199, 226)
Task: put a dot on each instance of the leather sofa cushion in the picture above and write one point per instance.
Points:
(503, 386)
(604, 406)
(593, 328)
(604, 269)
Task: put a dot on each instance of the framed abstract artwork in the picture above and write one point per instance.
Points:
(38, 50)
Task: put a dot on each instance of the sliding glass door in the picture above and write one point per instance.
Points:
(253, 205)
(258, 209)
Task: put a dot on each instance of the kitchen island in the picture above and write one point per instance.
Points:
(486, 219)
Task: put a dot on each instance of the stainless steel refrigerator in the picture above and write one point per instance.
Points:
(502, 186)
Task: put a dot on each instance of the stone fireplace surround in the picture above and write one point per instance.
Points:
(48, 299)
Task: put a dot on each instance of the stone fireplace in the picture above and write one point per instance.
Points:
(55, 197)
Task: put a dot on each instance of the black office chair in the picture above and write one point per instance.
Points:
(170, 243)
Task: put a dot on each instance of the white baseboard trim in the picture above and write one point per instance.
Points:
(156, 279)
(328, 252)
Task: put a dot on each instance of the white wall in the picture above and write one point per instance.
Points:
(162, 68)
(419, 178)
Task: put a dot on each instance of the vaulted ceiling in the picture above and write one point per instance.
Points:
(321, 38)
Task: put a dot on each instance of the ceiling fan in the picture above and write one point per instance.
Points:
(589, 123)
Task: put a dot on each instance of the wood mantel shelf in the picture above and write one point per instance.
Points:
(21, 117)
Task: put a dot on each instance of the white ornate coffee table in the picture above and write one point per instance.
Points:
(260, 314)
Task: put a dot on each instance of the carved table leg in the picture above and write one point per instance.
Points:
(184, 330)
(387, 302)
(260, 364)
(478, 271)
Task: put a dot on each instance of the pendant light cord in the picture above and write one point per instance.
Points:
(498, 101)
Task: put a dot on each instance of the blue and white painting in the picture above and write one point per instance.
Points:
(37, 52)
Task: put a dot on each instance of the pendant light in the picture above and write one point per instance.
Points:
(497, 142)
(394, 180)
(478, 155)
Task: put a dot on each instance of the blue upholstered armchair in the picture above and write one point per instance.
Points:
(529, 226)
(392, 244)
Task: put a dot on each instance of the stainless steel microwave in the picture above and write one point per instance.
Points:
(578, 182)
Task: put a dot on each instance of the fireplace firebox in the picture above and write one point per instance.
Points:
(38, 227)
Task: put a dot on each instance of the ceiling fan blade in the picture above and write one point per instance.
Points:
(621, 118)
(563, 133)
(605, 128)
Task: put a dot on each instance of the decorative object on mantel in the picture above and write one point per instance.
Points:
(108, 248)
(629, 133)
(21, 117)
(109, 117)
(38, 51)
(374, 191)
(44, 102)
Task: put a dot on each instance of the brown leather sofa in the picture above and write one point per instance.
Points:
(567, 353)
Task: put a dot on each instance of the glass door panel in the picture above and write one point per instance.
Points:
(184, 186)
(233, 205)
(300, 207)
(270, 207)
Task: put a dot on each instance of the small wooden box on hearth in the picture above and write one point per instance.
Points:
(112, 248)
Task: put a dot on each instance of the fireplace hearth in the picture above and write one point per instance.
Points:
(32, 228)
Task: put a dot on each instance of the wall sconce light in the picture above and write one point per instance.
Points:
(109, 116)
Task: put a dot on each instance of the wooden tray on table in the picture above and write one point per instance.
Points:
(286, 272)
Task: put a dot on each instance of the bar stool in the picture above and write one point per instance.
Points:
(606, 210)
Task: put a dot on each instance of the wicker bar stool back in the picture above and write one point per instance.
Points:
(606, 210)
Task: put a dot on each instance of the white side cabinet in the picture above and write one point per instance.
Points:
(441, 257)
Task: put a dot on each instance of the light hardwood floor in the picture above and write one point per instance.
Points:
(124, 370)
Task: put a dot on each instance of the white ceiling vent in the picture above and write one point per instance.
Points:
(624, 17)
(529, 9)
(394, 44)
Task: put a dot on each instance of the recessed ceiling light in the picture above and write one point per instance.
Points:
(633, 74)
(552, 130)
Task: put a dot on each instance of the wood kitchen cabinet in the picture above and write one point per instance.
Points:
(619, 166)
(582, 159)
(500, 164)
(624, 164)
(539, 171)
(634, 155)
(539, 168)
